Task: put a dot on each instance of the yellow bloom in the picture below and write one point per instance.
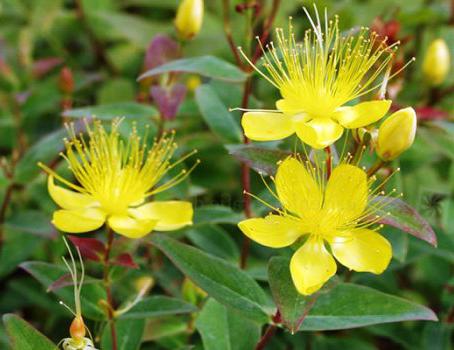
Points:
(316, 78)
(396, 134)
(338, 212)
(114, 180)
(436, 62)
(189, 18)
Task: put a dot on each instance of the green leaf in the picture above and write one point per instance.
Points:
(350, 306)
(262, 160)
(30, 221)
(214, 240)
(113, 110)
(343, 306)
(45, 150)
(395, 212)
(222, 329)
(157, 306)
(216, 115)
(23, 336)
(91, 294)
(17, 247)
(129, 334)
(208, 66)
(293, 306)
(221, 280)
(216, 214)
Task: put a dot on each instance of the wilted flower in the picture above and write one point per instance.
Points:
(316, 79)
(115, 178)
(341, 212)
(436, 62)
(189, 18)
(396, 134)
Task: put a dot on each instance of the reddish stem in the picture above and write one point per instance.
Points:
(328, 162)
(106, 279)
(266, 337)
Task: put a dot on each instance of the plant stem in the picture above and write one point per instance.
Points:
(228, 33)
(328, 161)
(266, 337)
(107, 286)
(376, 167)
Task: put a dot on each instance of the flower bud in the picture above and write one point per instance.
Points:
(192, 293)
(77, 328)
(189, 18)
(436, 62)
(396, 134)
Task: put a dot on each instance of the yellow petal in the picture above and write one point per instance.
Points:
(78, 220)
(297, 190)
(130, 227)
(169, 215)
(362, 250)
(319, 132)
(346, 195)
(263, 126)
(362, 114)
(289, 107)
(273, 231)
(311, 266)
(68, 199)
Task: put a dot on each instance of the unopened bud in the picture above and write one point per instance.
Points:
(66, 81)
(396, 134)
(193, 82)
(192, 293)
(436, 62)
(77, 328)
(189, 18)
(144, 284)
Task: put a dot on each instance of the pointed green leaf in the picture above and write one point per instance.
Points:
(223, 329)
(23, 336)
(216, 115)
(129, 334)
(221, 280)
(341, 306)
(113, 110)
(262, 160)
(292, 306)
(395, 212)
(157, 306)
(208, 66)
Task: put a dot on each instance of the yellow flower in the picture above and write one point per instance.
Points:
(436, 62)
(114, 180)
(339, 212)
(396, 134)
(316, 78)
(189, 18)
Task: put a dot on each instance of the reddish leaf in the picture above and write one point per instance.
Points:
(63, 281)
(90, 248)
(161, 50)
(399, 214)
(43, 66)
(168, 99)
(125, 260)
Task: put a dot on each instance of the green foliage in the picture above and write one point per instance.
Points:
(197, 293)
